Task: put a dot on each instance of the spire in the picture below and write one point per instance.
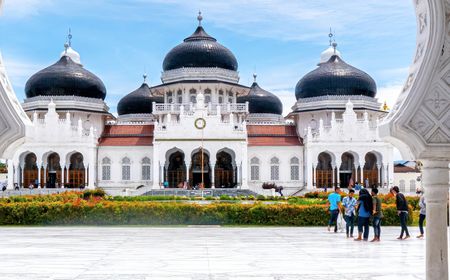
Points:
(254, 77)
(330, 36)
(199, 18)
(69, 37)
(145, 78)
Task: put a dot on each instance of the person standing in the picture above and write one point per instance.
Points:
(402, 211)
(423, 211)
(334, 202)
(377, 215)
(365, 208)
(349, 204)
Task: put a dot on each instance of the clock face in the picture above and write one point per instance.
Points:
(200, 123)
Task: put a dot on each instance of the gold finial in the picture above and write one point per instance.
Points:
(385, 106)
(199, 18)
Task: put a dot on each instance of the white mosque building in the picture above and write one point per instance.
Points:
(201, 125)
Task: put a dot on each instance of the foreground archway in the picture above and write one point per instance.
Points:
(77, 171)
(176, 170)
(225, 170)
(324, 171)
(200, 173)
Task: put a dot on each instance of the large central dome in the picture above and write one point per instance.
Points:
(200, 50)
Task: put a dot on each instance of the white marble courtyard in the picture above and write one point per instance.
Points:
(219, 253)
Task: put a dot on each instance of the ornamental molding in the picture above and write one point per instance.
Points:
(199, 73)
(72, 102)
(336, 102)
(13, 119)
(421, 116)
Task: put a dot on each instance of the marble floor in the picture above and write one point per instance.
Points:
(196, 252)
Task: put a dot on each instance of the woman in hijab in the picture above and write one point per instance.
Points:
(364, 207)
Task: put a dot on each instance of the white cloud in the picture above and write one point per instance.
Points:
(19, 70)
(19, 9)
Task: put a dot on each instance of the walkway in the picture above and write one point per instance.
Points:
(200, 253)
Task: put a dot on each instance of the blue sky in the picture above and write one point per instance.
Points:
(282, 40)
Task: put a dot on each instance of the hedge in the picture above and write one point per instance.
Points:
(82, 212)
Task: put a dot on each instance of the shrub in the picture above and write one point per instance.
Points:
(94, 193)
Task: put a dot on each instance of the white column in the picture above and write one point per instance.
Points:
(315, 176)
(385, 173)
(244, 170)
(91, 178)
(238, 175)
(63, 174)
(212, 172)
(67, 173)
(338, 178)
(188, 167)
(333, 175)
(435, 176)
(361, 174)
(18, 171)
(22, 175)
(39, 167)
(86, 171)
(10, 175)
(379, 174)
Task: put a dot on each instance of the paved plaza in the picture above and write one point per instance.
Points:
(196, 252)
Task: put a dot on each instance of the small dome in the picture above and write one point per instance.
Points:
(335, 77)
(138, 102)
(261, 101)
(200, 50)
(65, 77)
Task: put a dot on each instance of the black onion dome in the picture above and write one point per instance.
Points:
(335, 77)
(261, 101)
(65, 77)
(200, 50)
(138, 102)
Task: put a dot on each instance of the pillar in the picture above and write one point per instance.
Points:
(18, 176)
(187, 172)
(86, 171)
(213, 169)
(361, 173)
(338, 178)
(67, 174)
(379, 175)
(22, 176)
(385, 173)
(435, 174)
(39, 167)
(314, 176)
(10, 175)
(333, 175)
(63, 174)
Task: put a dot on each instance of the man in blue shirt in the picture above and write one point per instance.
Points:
(349, 203)
(334, 203)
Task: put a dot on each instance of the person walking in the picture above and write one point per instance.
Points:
(377, 215)
(334, 202)
(423, 211)
(365, 208)
(402, 211)
(349, 204)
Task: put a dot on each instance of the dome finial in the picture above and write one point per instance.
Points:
(254, 77)
(199, 18)
(69, 37)
(145, 77)
(330, 35)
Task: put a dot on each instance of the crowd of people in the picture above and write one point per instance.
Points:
(367, 209)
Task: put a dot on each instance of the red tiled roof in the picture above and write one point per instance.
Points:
(272, 135)
(127, 135)
(405, 169)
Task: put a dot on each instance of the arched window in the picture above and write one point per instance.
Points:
(254, 169)
(274, 169)
(146, 167)
(402, 185)
(207, 95)
(169, 97)
(230, 97)
(220, 96)
(295, 169)
(106, 169)
(180, 96)
(126, 169)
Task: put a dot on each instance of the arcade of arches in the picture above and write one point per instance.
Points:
(51, 173)
(328, 174)
(178, 173)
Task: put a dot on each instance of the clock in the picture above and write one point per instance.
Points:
(200, 123)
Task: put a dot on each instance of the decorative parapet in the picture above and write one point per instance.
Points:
(336, 102)
(75, 102)
(199, 73)
(189, 108)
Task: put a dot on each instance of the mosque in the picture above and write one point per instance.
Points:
(201, 127)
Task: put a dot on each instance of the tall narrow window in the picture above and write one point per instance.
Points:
(126, 169)
(180, 96)
(254, 169)
(220, 100)
(106, 169)
(274, 169)
(146, 167)
(192, 95)
(169, 97)
(295, 168)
